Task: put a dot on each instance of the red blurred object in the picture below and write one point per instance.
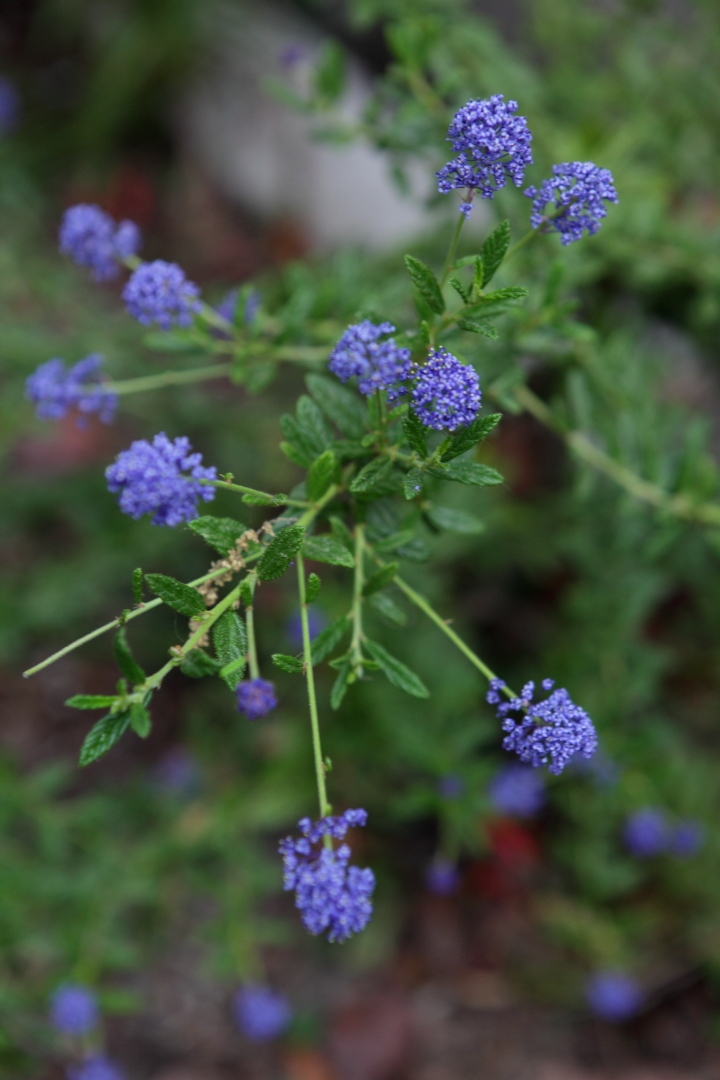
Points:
(515, 854)
(65, 446)
(130, 194)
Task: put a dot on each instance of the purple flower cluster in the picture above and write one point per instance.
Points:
(612, 995)
(548, 732)
(378, 365)
(261, 1014)
(492, 144)
(159, 292)
(578, 191)
(255, 698)
(517, 790)
(648, 832)
(74, 1010)
(55, 389)
(446, 393)
(97, 1067)
(160, 478)
(330, 894)
(442, 877)
(91, 238)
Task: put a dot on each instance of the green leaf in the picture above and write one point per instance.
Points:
(454, 520)
(291, 451)
(230, 641)
(246, 592)
(493, 250)
(415, 434)
(91, 701)
(313, 426)
(380, 579)
(387, 607)
(340, 685)
(415, 550)
(197, 664)
(341, 532)
(137, 584)
(398, 674)
(105, 733)
(469, 472)
(460, 289)
(175, 594)
(328, 638)
(426, 283)
(169, 341)
(478, 273)
(291, 664)
(329, 76)
(413, 483)
(280, 552)
(467, 437)
(220, 533)
(126, 661)
(258, 499)
(140, 720)
(512, 292)
(339, 405)
(327, 549)
(496, 303)
(260, 375)
(372, 477)
(395, 540)
(312, 588)
(475, 326)
(321, 475)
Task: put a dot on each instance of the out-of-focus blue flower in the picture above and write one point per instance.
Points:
(687, 839)
(256, 698)
(451, 786)
(177, 771)
(291, 55)
(9, 106)
(317, 621)
(493, 146)
(329, 894)
(612, 995)
(547, 732)
(74, 1009)
(160, 478)
(96, 1068)
(261, 1013)
(517, 790)
(601, 768)
(91, 238)
(446, 394)
(578, 192)
(442, 877)
(158, 292)
(647, 832)
(55, 389)
(378, 365)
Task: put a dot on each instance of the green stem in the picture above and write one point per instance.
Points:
(167, 378)
(521, 243)
(325, 807)
(286, 500)
(250, 623)
(452, 249)
(358, 582)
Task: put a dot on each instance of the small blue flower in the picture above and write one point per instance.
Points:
(55, 390)
(329, 894)
(451, 786)
(293, 627)
(517, 790)
(256, 698)
(160, 478)
(177, 772)
(378, 365)
(158, 292)
(442, 877)
(493, 146)
(9, 106)
(91, 238)
(74, 1009)
(612, 995)
(647, 832)
(578, 192)
(687, 839)
(548, 732)
(446, 394)
(96, 1068)
(261, 1014)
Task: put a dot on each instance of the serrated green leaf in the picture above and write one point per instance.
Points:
(380, 579)
(137, 584)
(479, 326)
(455, 520)
(280, 552)
(175, 594)
(291, 664)
(91, 701)
(512, 292)
(413, 484)
(469, 472)
(397, 673)
(340, 685)
(467, 437)
(258, 499)
(478, 273)
(230, 641)
(327, 639)
(426, 283)
(296, 456)
(328, 549)
(493, 250)
(387, 607)
(372, 477)
(415, 434)
(140, 720)
(220, 533)
(339, 405)
(103, 735)
(126, 661)
(415, 550)
(313, 426)
(460, 289)
(312, 588)
(197, 664)
(321, 475)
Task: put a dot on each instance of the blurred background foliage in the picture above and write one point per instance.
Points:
(573, 577)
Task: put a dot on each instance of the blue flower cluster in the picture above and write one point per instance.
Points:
(446, 393)
(74, 1010)
(548, 732)
(493, 146)
(612, 995)
(578, 191)
(256, 698)
(329, 894)
(91, 238)
(517, 790)
(442, 877)
(378, 365)
(261, 1014)
(160, 478)
(158, 292)
(55, 389)
(648, 832)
